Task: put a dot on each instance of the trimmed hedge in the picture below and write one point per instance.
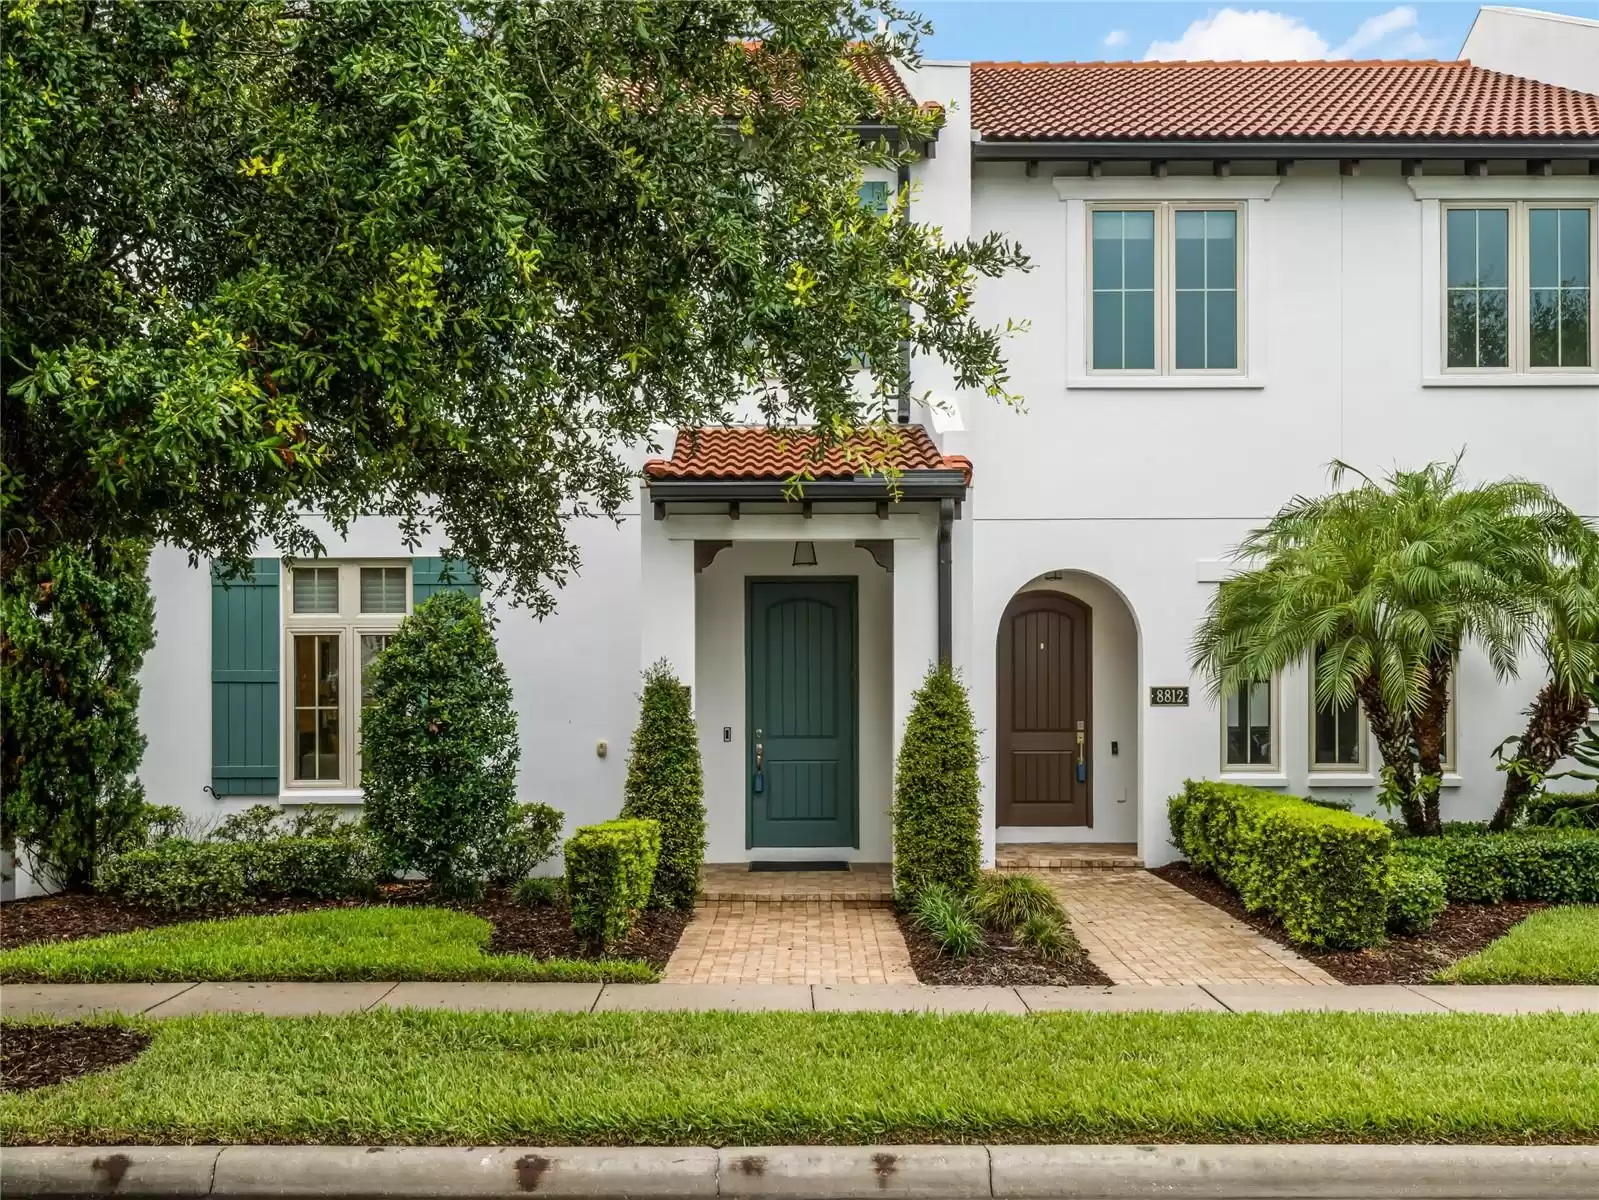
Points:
(1563, 809)
(177, 875)
(1416, 895)
(609, 869)
(1322, 872)
(532, 839)
(937, 818)
(1560, 866)
(665, 783)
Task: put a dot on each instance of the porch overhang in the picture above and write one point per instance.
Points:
(908, 487)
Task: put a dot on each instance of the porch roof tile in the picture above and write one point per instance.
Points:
(764, 453)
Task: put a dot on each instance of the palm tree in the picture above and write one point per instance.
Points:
(1380, 585)
(1569, 599)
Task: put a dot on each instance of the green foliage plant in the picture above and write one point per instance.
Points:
(666, 784)
(1556, 865)
(1005, 901)
(538, 891)
(75, 624)
(1049, 937)
(439, 748)
(937, 819)
(1416, 895)
(609, 870)
(946, 916)
(533, 837)
(1322, 872)
(1378, 587)
(444, 259)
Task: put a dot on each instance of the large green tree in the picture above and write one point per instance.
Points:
(1379, 585)
(441, 259)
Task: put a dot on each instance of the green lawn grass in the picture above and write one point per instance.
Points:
(330, 944)
(1557, 945)
(425, 1077)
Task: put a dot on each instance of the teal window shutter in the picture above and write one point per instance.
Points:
(244, 683)
(874, 196)
(429, 576)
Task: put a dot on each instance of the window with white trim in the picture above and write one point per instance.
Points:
(339, 618)
(1249, 727)
(1338, 737)
(1165, 289)
(1518, 280)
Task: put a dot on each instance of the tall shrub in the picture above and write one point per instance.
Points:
(936, 818)
(76, 626)
(665, 784)
(439, 750)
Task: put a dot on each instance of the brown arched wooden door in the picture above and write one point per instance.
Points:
(1045, 686)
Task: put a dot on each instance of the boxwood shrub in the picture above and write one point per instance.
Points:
(609, 869)
(1322, 872)
(1416, 894)
(1557, 865)
(665, 783)
(1573, 809)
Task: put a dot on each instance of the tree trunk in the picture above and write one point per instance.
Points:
(1393, 739)
(1428, 727)
(1554, 720)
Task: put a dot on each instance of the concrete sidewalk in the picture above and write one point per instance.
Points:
(1348, 1172)
(304, 999)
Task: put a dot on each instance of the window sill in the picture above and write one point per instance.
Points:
(1263, 779)
(1588, 379)
(322, 796)
(1341, 779)
(1158, 383)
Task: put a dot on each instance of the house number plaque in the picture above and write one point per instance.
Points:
(1168, 697)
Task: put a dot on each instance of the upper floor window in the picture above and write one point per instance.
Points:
(1165, 289)
(1517, 287)
(340, 619)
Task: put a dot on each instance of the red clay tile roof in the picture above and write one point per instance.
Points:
(880, 72)
(1182, 101)
(757, 452)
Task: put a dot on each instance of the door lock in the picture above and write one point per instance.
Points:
(760, 762)
(1082, 763)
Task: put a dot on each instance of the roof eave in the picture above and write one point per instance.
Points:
(1027, 149)
(932, 484)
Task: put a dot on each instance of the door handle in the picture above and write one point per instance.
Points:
(1082, 763)
(760, 753)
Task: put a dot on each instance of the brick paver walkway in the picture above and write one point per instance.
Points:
(1140, 929)
(865, 882)
(791, 941)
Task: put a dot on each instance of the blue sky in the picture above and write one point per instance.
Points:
(1034, 30)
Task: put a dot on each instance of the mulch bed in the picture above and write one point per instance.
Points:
(1000, 964)
(33, 1056)
(1461, 930)
(538, 932)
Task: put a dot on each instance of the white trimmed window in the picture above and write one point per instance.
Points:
(1517, 287)
(1338, 737)
(338, 619)
(1166, 290)
(1249, 727)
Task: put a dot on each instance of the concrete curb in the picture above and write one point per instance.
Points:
(1343, 1172)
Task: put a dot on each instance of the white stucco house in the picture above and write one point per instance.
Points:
(1242, 271)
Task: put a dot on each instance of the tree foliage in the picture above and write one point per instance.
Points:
(937, 818)
(438, 746)
(441, 259)
(74, 628)
(666, 784)
(1380, 585)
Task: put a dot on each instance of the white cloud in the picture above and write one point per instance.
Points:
(1262, 34)
(1116, 37)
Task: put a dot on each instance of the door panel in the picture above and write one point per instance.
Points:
(801, 670)
(1045, 688)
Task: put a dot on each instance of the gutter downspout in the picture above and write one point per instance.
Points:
(946, 582)
(902, 185)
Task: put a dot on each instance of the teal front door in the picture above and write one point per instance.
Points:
(800, 758)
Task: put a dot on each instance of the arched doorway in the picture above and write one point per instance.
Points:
(1045, 731)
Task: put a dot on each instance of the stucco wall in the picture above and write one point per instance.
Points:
(720, 699)
(1554, 47)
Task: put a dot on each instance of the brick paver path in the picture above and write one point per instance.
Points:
(871, 882)
(790, 941)
(1140, 929)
